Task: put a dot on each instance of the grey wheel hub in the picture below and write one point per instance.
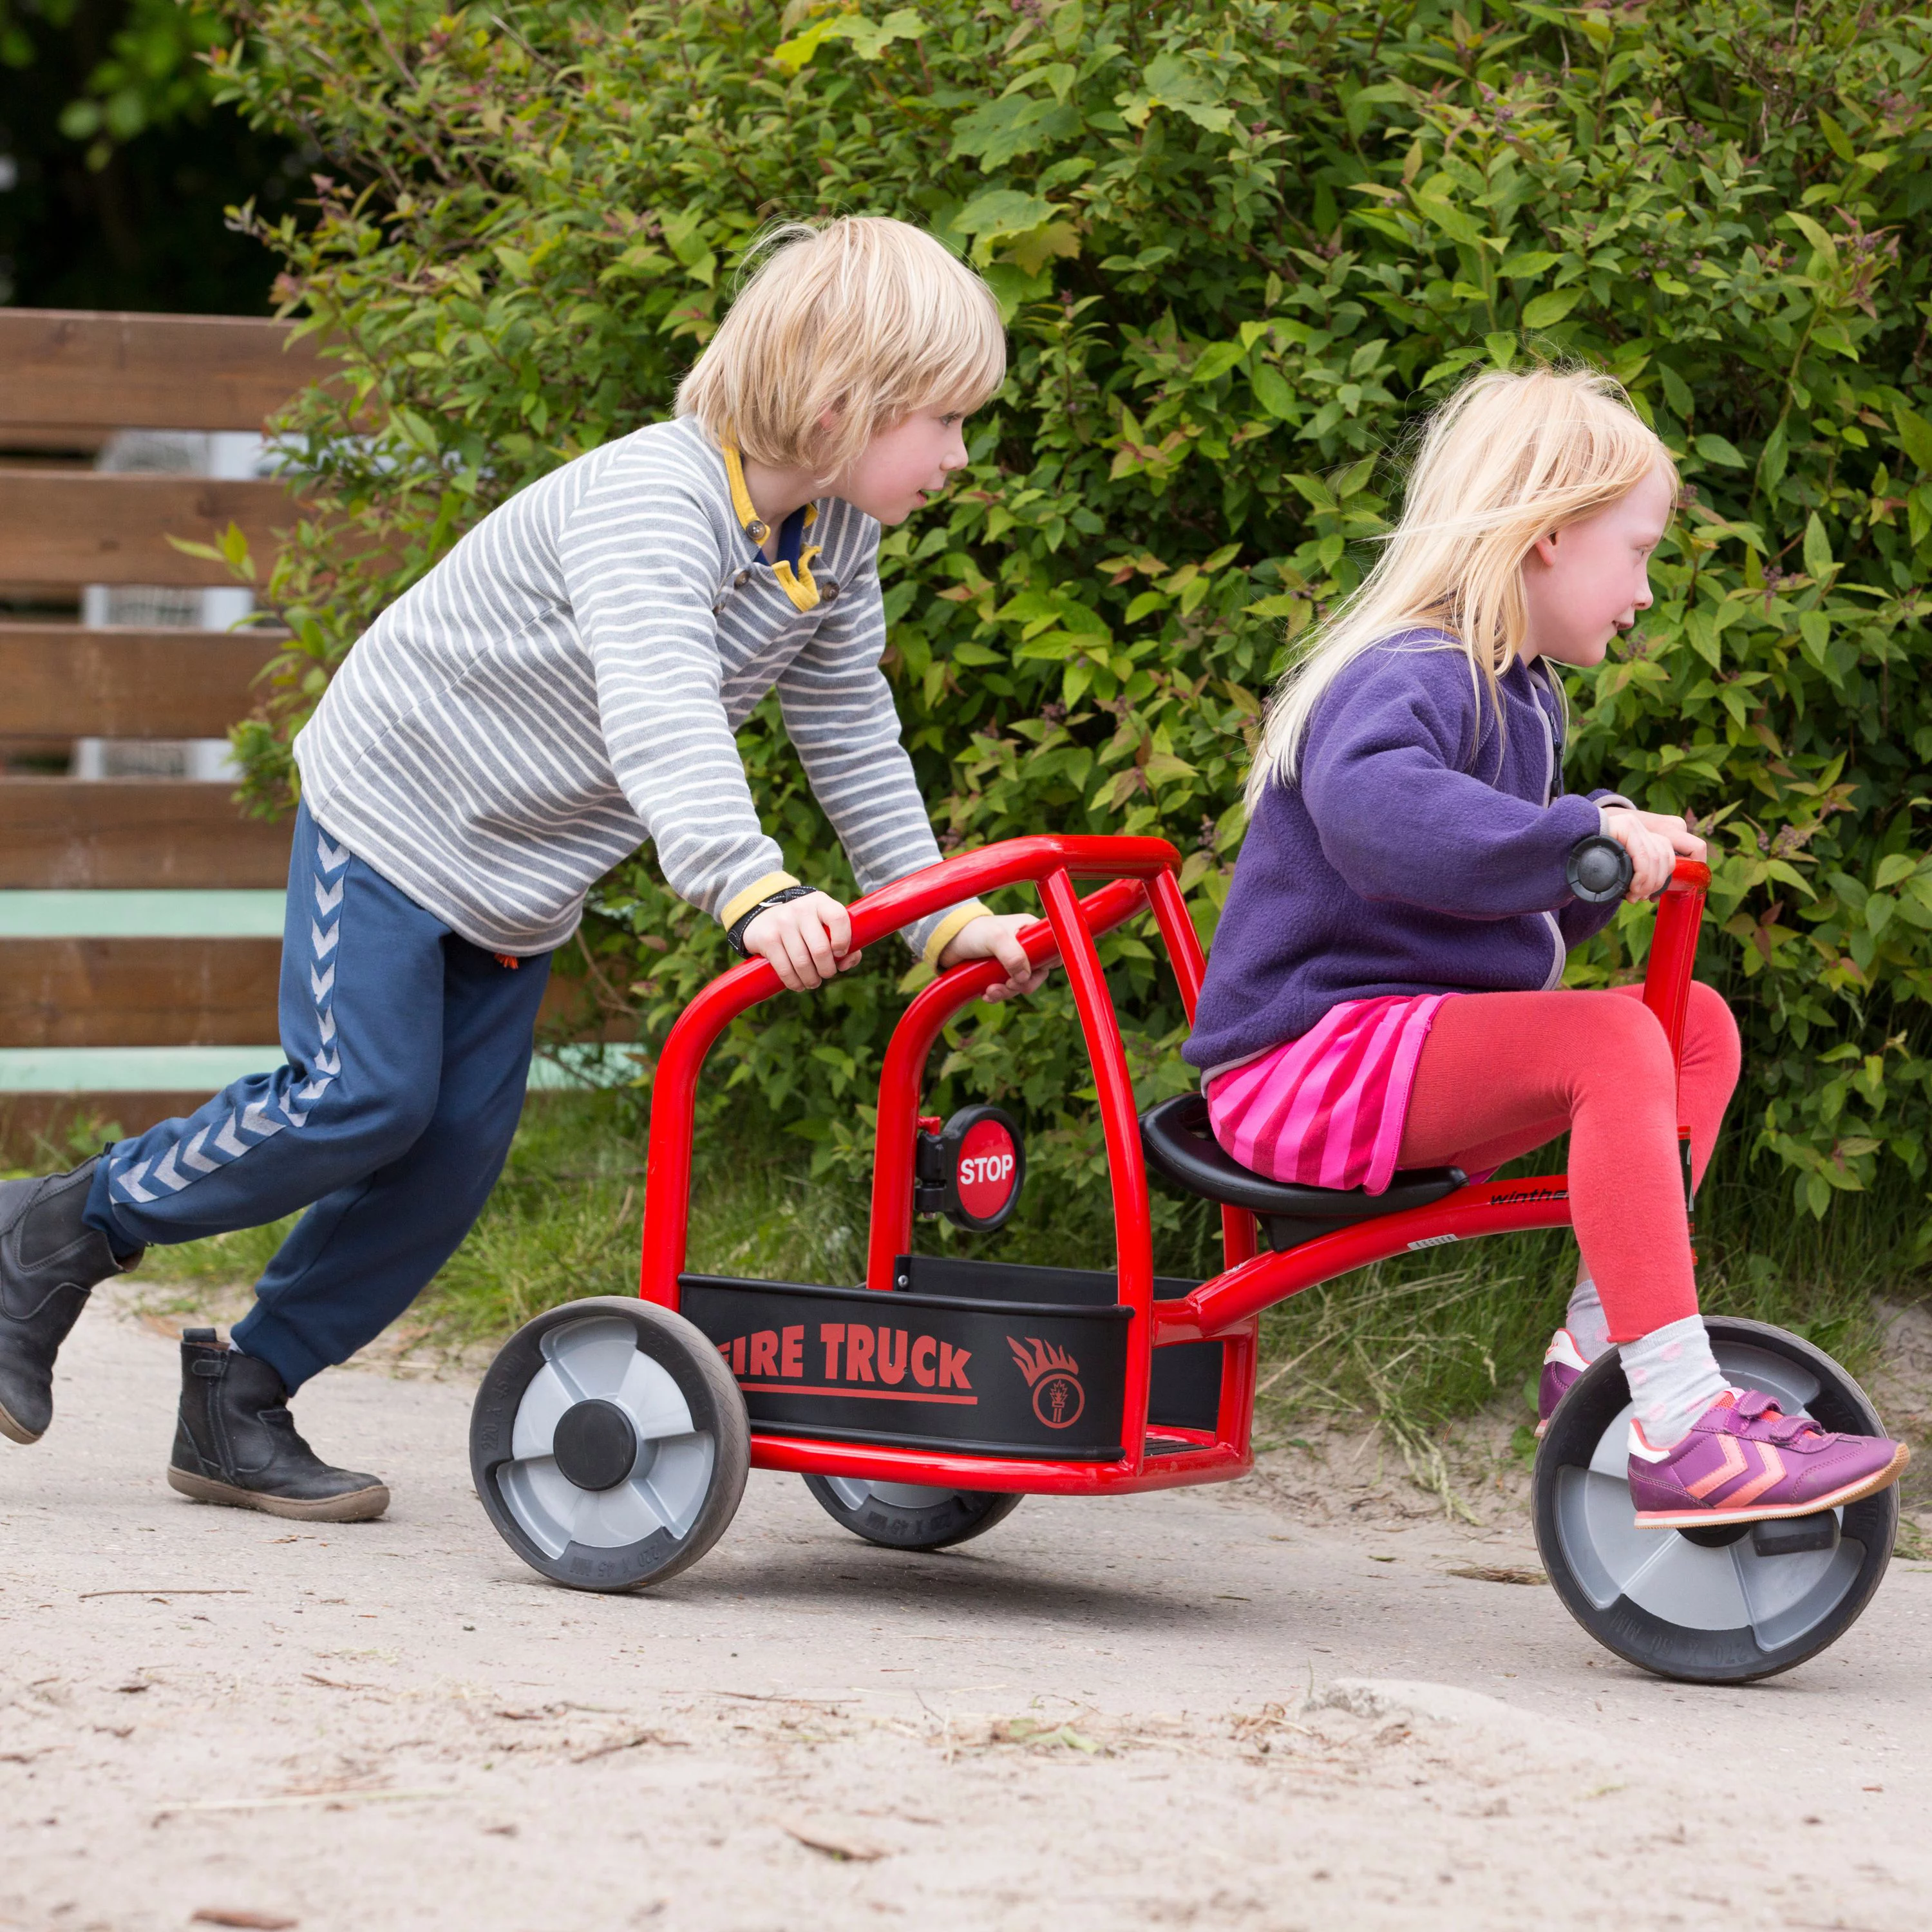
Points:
(604, 1453)
(596, 1445)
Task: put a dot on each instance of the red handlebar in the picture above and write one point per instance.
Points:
(1673, 949)
(1139, 868)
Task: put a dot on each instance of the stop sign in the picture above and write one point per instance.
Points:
(987, 1169)
(972, 1170)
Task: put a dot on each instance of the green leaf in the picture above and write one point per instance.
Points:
(1314, 490)
(1032, 251)
(1545, 309)
(1716, 449)
(1018, 124)
(1174, 80)
(1818, 239)
(1272, 392)
(1836, 138)
(1502, 345)
(1915, 435)
(1002, 210)
(869, 38)
(1215, 361)
(1014, 287)
(793, 54)
(1894, 866)
(1433, 203)
(1818, 565)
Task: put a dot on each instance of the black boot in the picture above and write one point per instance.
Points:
(236, 1443)
(50, 1260)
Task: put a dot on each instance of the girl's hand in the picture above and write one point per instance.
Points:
(807, 940)
(1655, 842)
(995, 936)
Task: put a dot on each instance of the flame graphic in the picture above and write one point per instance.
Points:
(1037, 1358)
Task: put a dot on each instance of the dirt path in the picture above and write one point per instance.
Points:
(1099, 1716)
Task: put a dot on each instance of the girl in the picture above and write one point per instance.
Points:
(1384, 986)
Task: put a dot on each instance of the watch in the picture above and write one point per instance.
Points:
(734, 934)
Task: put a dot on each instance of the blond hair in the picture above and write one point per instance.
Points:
(862, 320)
(1506, 460)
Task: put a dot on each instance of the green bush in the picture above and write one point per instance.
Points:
(1241, 246)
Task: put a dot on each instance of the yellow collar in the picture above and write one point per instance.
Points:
(798, 585)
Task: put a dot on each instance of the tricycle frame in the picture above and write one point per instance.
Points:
(1141, 873)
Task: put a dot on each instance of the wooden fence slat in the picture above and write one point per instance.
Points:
(91, 526)
(28, 1121)
(61, 681)
(124, 833)
(181, 992)
(81, 369)
(138, 992)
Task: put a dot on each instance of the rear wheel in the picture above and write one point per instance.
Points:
(904, 1516)
(609, 1444)
(1722, 1605)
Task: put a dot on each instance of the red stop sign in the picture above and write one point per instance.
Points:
(987, 1169)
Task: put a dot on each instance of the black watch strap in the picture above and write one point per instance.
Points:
(734, 934)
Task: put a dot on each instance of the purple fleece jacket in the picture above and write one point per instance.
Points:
(1420, 851)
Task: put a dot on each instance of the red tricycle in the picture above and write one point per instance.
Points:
(611, 1437)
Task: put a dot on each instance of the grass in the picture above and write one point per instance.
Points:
(1412, 1343)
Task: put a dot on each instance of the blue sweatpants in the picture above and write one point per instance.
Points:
(408, 1050)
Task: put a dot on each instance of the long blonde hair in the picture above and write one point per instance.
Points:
(1506, 460)
(862, 318)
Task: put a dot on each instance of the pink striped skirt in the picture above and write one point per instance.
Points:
(1328, 1110)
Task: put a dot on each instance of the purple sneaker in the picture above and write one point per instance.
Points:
(1745, 1461)
(1562, 1363)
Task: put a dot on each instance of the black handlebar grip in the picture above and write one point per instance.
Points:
(1598, 870)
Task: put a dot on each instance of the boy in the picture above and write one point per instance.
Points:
(564, 685)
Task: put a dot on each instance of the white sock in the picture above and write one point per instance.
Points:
(1589, 1328)
(1673, 1378)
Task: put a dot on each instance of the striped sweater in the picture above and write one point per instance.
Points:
(566, 682)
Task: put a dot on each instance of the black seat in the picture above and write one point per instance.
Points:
(1180, 1146)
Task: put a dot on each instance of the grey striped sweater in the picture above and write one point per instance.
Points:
(565, 684)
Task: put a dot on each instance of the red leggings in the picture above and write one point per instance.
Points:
(1500, 1073)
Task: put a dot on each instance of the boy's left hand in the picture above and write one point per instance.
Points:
(996, 936)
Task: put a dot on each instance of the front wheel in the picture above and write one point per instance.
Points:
(609, 1444)
(904, 1516)
(1727, 1604)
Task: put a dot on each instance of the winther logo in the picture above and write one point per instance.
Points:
(1053, 1376)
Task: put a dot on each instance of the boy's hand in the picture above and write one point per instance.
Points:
(807, 940)
(1655, 841)
(995, 936)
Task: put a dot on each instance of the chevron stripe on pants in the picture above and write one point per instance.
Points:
(408, 1050)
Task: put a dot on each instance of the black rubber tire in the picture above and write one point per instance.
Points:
(962, 1515)
(716, 1411)
(1577, 1557)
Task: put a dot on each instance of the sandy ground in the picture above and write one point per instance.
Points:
(1268, 1705)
